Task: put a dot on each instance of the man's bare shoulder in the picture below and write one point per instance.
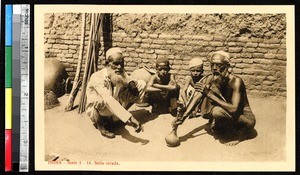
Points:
(236, 81)
(237, 78)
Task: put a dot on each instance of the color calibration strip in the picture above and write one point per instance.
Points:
(8, 87)
(17, 37)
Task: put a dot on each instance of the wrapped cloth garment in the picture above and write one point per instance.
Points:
(111, 101)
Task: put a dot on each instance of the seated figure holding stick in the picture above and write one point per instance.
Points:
(110, 92)
(223, 99)
(188, 89)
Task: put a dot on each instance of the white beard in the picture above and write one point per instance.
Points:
(117, 79)
(218, 79)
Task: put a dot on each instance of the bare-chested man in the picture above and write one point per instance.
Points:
(162, 88)
(224, 100)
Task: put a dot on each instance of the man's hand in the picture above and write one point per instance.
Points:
(176, 123)
(135, 124)
(132, 87)
(98, 105)
(201, 87)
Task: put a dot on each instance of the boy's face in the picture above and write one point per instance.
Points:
(196, 71)
(162, 69)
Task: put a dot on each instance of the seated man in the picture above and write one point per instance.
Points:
(162, 88)
(225, 101)
(110, 92)
(188, 89)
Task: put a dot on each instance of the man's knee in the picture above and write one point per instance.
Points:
(220, 113)
(247, 122)
(174, 94)
(141, 86)
(96, 117)
(154, 97)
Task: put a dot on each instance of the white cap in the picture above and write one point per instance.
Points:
(224, 54)
(112, 51)
(195, 62)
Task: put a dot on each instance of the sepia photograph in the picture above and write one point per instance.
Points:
(168, 88)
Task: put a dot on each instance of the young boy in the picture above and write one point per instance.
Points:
(162, 88)
(188, 89)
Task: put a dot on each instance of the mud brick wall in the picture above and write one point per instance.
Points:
(255, 42)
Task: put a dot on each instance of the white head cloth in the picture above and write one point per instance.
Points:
(226, 55)
(112, 51)
(195, 62)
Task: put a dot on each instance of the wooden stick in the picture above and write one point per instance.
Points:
(81, 49)
(76, 85)
(88, 69)
(73, 94)
(92, 58)
(86, 65)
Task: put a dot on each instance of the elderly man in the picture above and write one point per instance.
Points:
(110, 92)
(224, 101)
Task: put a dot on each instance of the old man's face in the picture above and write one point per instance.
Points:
(116, 69)
(218, 66)
(116, 63)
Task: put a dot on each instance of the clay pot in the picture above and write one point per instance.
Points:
(172, 139)
(55, 76)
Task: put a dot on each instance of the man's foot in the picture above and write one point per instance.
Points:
(234, 140)
(232, 143)
(143, 105)
(173, 111)
(237, 137)
(159, 109)
(210, 126)
(105, 132)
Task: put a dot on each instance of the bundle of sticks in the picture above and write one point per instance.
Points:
(90, 61)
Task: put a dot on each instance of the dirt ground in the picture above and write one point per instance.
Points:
(71, 135)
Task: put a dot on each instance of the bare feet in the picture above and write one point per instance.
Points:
(210, 126)
(239, 136)
(104, 131)
(232, 143)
